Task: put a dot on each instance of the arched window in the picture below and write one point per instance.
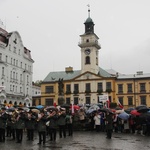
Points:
(87, 60)
(96, 61)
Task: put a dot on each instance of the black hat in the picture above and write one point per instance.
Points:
(20, 108)
(3, 108)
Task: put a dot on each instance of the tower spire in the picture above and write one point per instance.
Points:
(88, 10)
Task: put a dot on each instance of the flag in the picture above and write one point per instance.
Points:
(108, 103)
(120, 105)
(54, 104)
(72, 108)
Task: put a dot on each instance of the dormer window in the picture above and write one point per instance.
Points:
(87, 40)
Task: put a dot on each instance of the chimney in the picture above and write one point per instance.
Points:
(139, 72)
(69, 69)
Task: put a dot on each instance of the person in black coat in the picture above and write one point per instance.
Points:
(53, 118)
(30, 125)
(62, 123)
(109, 124)
(3, 119)
(20, 125)
(41, 127)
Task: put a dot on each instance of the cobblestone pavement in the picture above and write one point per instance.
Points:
(83, 140)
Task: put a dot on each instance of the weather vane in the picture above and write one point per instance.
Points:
(88, 9)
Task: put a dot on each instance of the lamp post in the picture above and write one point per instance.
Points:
(134, 90)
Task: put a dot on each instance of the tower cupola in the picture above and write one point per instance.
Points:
(89, 24)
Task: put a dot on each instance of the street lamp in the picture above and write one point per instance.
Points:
(134, 91)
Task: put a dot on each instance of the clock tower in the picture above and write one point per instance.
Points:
(89, 48)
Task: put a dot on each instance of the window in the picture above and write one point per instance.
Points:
(27, 79)
(27, 91)
(68, 100)
(76, 100)
(13, 88)
(10, 87)
(142, 87)
(49, 89)
(129, 86)
(10, 47)
(87, 88)
(20, 89)
(14, 62)
(68, 88)
(16, 76)
(20, 78)
(19, 52)
(143, 100)
(100, 86)
(120, 88)
(21, 64)
(11, 61)
(11, 75)
(87, 40)
(17, 63)
(0, 56)
(88, 101)
(87, 60)
(76, 88)
(3, 72)
(108, 85)
(130, 100)
(14, 49)
(6, 59)
(96, 61)
(49, 102)
(120, 100)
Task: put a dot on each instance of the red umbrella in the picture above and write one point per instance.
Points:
(135, 113)
(76, 107)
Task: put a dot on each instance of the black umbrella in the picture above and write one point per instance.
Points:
(106, 110)
(129, 110)
(11, 109)
(51, 108)
(143, 109)
(65, 106)
(140, 106)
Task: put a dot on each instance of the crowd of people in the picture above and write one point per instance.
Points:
(50, 122)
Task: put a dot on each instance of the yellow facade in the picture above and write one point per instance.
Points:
(136, 95)
(81, 95)
(140, 93)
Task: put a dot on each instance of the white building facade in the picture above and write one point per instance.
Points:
(16, 69)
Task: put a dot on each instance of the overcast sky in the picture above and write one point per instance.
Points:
(51, 29)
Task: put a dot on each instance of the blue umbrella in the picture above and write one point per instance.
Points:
(124, 116)
(39, 107)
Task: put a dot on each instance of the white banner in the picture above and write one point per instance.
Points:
(103, 98)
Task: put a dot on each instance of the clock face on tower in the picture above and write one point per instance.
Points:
(87, 51)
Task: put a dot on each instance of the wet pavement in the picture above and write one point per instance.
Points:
(83, 140)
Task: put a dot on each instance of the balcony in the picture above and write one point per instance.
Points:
(142, 91)
(75, 92)
(87, 91)
(108, 90)
(89, 44)
(99, 92)
(68, 92)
